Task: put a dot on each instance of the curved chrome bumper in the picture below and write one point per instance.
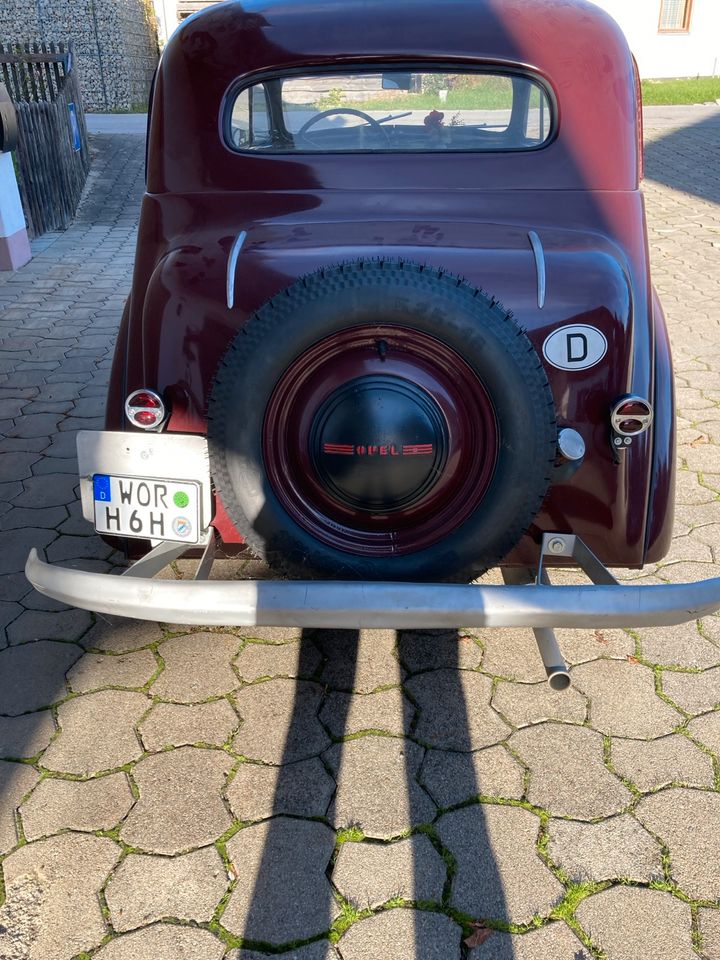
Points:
(330, 604)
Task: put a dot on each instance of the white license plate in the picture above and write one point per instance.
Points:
(150, 509)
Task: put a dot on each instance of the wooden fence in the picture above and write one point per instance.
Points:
(52, 153)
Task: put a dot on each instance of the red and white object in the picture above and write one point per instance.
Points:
(14, 243)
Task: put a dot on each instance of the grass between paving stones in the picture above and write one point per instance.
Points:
(628, 784)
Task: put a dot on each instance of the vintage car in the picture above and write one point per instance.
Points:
(391, 325)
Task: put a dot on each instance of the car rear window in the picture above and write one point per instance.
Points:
(408, 111)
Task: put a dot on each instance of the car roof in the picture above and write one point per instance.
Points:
(575, 46)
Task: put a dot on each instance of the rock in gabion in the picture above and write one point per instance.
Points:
(116, 44)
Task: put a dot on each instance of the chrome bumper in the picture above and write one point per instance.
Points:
(330, 604)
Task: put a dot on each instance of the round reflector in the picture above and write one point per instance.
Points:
(145, 409)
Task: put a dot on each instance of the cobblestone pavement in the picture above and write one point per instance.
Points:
(167, 792)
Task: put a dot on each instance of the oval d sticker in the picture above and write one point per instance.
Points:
(575, 347)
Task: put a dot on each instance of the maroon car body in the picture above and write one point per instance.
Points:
(466, 212)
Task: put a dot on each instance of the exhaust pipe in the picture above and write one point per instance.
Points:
(555, 666)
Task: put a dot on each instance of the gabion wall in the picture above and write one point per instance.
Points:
(115, 43)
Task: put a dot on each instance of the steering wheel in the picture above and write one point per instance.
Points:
(302, 132)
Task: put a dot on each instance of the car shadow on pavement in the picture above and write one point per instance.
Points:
(385, 918)
(673, 158)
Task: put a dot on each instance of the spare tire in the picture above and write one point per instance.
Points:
(382, 420)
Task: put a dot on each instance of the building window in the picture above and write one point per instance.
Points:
(675, 16)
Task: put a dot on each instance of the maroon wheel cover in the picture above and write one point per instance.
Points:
(380, 440)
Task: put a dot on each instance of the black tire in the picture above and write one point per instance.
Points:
(406, 295)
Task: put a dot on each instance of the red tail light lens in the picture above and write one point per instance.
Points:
(631, 416)
(145, 409)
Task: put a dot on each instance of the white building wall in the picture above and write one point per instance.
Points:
(166, 11)
(692, 54)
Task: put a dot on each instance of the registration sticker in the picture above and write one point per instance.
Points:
(148, 509)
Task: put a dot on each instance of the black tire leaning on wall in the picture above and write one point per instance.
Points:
(396, 294)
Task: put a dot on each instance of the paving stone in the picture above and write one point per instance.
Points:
(96, 670)
(64, 446)
(280, 723)
(623, 702)
(47, 491)
(613, 849)
(693, 692)
(68, 624)
(33, 675)
(274, 635)
(17, 465)
(47, 518)
(35, 425)
(688, 822)
(188, 781)
(455, 711)
(499, 873)
(581, 646)
(178, 725)
(319, 950)
(554, 941)
(657, 763)
(345, 714)
(78, 548)
(359, 660)
(48, 914)
(370, 874)
(8, 613)
(282, 893)
(709, 924)
(301, 789)
(435, 936)
(451, 778)
(523, 704)
(687, 572)
(97, 732)
(121, 636)
(681, 646)
(164, 941)
(377, 788)
(258, 660)
(27, 735)
(16, 780)
(512, 654)
(17, 547)
(197, 667)
(67, 465)
(706, 730)
(434, 649)
(567, 773)
(144, 889)
(56, 805)
(628, 923)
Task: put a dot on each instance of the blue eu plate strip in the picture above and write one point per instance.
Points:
(101, 487)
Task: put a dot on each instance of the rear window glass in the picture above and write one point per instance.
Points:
(392, 111)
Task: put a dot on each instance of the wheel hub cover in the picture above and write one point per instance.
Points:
(379, 443)
(379, 440)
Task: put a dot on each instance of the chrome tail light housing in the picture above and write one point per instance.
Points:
(145, 409)
(630, 417)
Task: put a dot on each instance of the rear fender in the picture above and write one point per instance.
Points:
(661, 501)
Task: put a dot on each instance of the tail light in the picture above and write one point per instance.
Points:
(631, 416)
(145, 409)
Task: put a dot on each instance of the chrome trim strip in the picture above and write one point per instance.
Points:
(539, 253)
(232, 267)
(357, 605)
